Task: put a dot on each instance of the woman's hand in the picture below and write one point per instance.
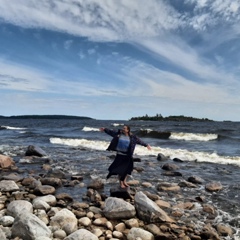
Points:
(101, 129)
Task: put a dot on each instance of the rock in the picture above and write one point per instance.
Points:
(65, 220)
(115, 208)
(6, 221)
(49, 199)
(56, 173)
(64, 196)
(40, 204)
(120, 227)
(208, 208)
(13, 177)
(208, 232)
(132, 223)
(8, 186)
(120, 193)
(213, 186)
(195, 179)
(177, 160)
(224, 230)
(134, 233)
(18, 206)
(6, 161)
(166, 186)
(162, 204)
(59, 234)
(29, 227)
(170, 167)
(81, 234)
(147, 184)
(187, 184)
(96, 184)
(172, 174)
(149, 211)
(44, 190)
(94, 195)
(55, 182)
(161, 157)
(85, 221)
(2, 235)
(35, 151)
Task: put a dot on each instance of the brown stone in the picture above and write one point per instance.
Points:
(6, 161)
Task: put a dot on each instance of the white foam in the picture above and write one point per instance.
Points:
(143, 151)
(193, 136)
(90, 129)
(117, 124)
(13, 128)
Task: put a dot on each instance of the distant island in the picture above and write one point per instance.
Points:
(44, 117)
(159, 117)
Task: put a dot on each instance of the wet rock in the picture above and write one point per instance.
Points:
(161, 157)
(35, 151)
(170, 167)
(187, 184)
(166, 186)
(94, 196)
(209, 208)
(172, 174)
(149, 211)
(120, 193)
(208, 232)
(195, 179)
(56, 173)
(177, 160)
(116, 208)
(64, 196)
(163, 204)
(213, 186)
(224, 230)
(55, 182)
(96, 184)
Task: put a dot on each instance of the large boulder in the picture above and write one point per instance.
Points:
(6, 161)
(149, 211)
(116, 208)
(29, 227)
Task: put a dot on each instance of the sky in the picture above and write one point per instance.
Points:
(117, 59)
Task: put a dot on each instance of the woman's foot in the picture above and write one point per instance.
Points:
(125, 183)
(122, 185)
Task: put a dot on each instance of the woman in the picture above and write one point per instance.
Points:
(124, 143)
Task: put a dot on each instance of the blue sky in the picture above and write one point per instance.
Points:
(120, 59)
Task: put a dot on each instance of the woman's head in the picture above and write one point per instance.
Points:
(126, 129)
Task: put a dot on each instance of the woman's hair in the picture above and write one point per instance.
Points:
(129, 130)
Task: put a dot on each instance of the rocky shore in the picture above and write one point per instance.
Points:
(32, 209)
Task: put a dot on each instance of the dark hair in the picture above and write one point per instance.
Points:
(129, 130)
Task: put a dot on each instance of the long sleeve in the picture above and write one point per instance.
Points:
(110, 132)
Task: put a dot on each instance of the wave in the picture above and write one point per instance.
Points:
(183, 154)
(117, 124)
(153, 134)
(12, 128)
(90, 129)
(193, 136)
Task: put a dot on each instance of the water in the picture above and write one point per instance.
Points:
(209, 150)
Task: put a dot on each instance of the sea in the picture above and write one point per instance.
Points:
(208, 149)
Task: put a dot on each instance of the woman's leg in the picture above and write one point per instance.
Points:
(122, 180)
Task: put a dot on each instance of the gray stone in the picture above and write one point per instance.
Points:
(116, 208)
(81, 234)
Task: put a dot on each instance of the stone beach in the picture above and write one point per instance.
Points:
(31, 208)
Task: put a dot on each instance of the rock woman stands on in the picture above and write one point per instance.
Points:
(124, 143)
